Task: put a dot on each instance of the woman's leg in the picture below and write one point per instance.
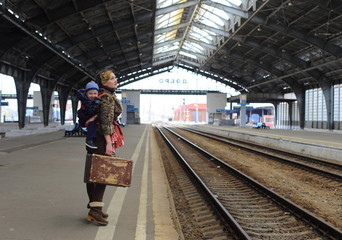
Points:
(95, 213)
(99, 192)
(96, 204)
(90, 192)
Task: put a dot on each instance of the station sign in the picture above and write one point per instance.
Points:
(171, 80)
(238, 108)
(224, 111)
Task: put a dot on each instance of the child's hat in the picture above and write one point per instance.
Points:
(92, 86)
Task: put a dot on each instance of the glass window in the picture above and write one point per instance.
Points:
(207, 25)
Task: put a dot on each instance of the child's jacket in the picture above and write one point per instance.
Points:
(88, 108)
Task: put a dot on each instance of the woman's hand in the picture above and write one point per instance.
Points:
(109, 146)
(109, 149)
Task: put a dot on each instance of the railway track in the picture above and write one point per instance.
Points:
(317, 191)
(318, 166)
(247, 209)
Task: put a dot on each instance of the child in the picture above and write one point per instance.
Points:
(87, 112)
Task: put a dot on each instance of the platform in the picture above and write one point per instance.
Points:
(323, 144)
(42, 194)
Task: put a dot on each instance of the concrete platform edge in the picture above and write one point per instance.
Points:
(163, 206)
(304, 148)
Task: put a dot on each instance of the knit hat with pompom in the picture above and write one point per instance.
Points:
(92, 86)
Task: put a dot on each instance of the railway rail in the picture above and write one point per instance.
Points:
(318, 166)
(249, 209)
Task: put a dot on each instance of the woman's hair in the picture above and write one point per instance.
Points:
(104, 76)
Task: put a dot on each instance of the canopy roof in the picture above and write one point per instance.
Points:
(271, 46)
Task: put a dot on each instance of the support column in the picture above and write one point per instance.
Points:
(299, 91)
(46, 92)
(124, 107)
(63, 99)
(74, 103)
(290, 114)
(276, 107)
(22, 85)
(47, 87)
(301, 107)
(243, 102)
(243, 116)
(329, 103)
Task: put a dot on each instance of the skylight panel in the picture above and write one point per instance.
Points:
(194, 47)
(208, 33)
(169, 19)
(166, 49)
(160, 37)
(202, 39)
(162, 19)
(206, 17)
(205, 37)
(232, 3)
(187, 54)
(195, 31)
(166, 3)
(235, 2)
(217, 13)
(174, 20)
(170, 35)
(212, 21)
(165, 36)
(208, 25)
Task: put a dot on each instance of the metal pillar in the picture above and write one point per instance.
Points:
(74, 103)
(46, 101)
(63, 99)
(243, 116)
(276, 107)
(328, 93)
(301, 108)
(22, 86)
(290, 113)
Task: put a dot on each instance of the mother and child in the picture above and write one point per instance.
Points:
(99, 112)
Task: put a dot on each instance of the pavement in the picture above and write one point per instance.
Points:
(43, 197)
(12, 129)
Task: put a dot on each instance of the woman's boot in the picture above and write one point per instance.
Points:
(95, 214)
(97, 191)
(105, 215)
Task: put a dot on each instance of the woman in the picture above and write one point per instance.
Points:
(108, 111)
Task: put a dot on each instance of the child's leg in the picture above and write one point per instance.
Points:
(91, 135)
(91, 129)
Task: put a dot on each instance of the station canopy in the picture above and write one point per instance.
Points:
(263, 46)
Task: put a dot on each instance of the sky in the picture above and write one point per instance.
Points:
(7, 85)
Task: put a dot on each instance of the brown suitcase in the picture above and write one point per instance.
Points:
(108, 170)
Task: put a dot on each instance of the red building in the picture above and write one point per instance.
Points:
(187, 113)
